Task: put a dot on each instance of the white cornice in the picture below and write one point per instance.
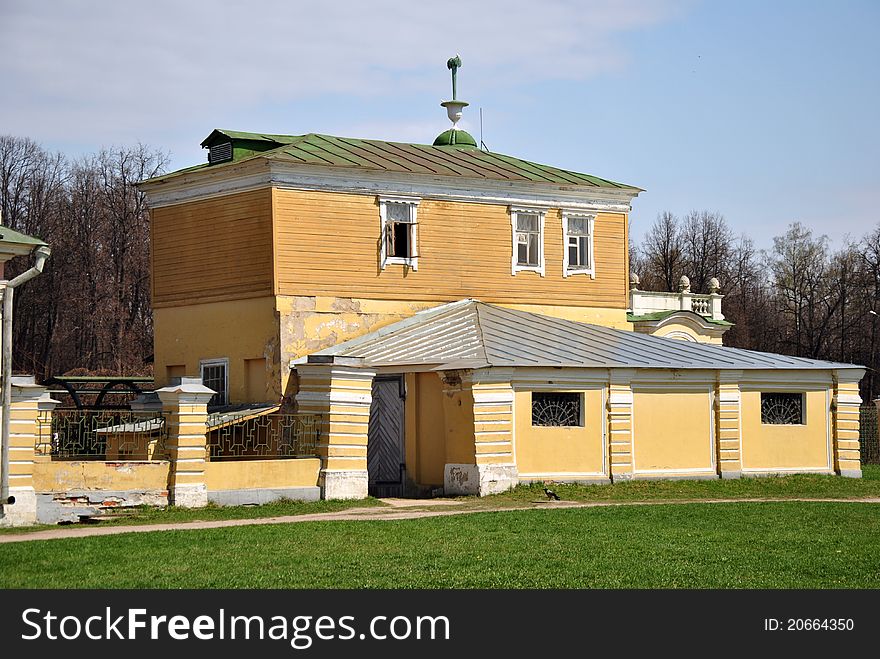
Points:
(252, 175)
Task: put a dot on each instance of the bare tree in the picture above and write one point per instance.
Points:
(90, 310)
(661, 254)
(707, 243)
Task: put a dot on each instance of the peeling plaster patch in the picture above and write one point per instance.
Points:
(346, 304)
(54, 507)
(304, 303)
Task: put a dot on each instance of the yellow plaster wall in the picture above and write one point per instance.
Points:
(770, 447)
(60, 476)
(544, 450)
(249, 474)
(606, 316)
(672, 431)
(458, 414)
(240, 330)
(431, 430)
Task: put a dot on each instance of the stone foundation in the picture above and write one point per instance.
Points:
(344, 484)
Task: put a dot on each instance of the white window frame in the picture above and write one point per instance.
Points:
(514, 266)
(384, 227)
(224, 362)
(568, 269)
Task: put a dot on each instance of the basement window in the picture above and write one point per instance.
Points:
(577, 237)
(399, 231)
(528, 240)
(220, 153)
(557, 409)
(782, 409)
(214, 374)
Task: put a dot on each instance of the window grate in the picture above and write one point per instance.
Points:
(556, 409)
(782, 409)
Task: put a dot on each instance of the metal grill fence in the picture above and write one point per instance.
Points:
(266, 437)
(101, 435)
(869, 441)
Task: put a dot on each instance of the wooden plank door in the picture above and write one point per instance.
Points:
(385, 442)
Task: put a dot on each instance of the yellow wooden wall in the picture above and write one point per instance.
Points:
(328, 244)
(214, 249)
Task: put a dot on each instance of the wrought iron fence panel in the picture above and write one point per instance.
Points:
(108, 435)
(266, 437)
(869, 441)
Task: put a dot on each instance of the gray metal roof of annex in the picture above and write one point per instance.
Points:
(473, 334)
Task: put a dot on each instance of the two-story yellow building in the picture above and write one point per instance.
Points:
(460, 318)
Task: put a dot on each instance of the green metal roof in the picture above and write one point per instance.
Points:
(8, 235)
(378, 155)
(660, 315)
(221, 134)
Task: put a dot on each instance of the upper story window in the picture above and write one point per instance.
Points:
(215, 375)
(577, 230)
(528, 240)
(399, 226)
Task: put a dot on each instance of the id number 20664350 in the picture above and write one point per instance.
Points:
(808, 624)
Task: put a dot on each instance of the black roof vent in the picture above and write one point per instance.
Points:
(220, 153)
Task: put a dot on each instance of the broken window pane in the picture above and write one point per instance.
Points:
(401, 241)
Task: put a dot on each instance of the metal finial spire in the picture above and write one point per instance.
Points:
(454, 64)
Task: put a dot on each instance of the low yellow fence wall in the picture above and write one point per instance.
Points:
(262, 474)
(63, 475)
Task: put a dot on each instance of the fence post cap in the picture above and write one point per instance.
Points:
(186, 389)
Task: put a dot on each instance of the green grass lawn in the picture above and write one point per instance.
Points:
(171, 515)
(795, 486)
(806, 486)
(726, 545)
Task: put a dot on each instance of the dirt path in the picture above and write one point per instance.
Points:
(396, 509)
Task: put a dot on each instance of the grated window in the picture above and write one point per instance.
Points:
(782, 409)
(556, 409)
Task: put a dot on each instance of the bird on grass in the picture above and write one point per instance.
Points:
(551, 495)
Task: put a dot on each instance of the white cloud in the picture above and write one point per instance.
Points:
(116, 71)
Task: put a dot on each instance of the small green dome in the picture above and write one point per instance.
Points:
(455, 137)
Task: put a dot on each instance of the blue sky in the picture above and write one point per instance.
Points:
(764, 111)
